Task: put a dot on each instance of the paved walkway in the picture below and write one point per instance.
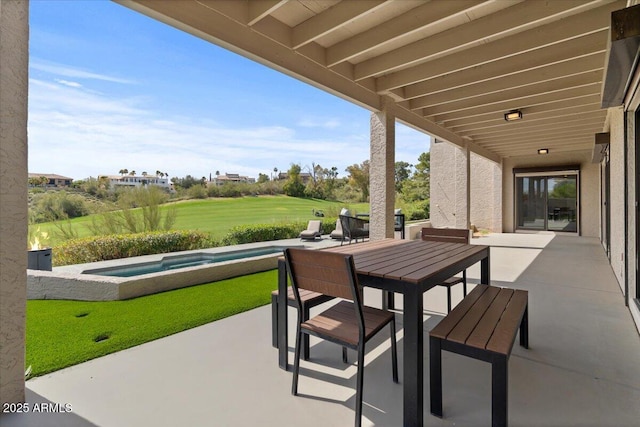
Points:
(583, 367)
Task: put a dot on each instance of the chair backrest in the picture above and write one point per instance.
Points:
(451, 235)
(327, 273)
(314, 225)
(351, 223)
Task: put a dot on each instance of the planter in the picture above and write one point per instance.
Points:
(39, 259)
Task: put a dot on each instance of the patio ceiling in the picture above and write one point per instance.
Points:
(452, 67)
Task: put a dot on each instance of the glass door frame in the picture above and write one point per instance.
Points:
(545, 173)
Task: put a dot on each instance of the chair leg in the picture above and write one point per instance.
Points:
(305, 338)
(274, 321)
(448, 299)
(359, 384)
(296, 362)
(344, 355)
(394, 351)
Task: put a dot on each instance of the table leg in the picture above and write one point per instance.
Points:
(283, 345)
(485, 274)
(413, 379)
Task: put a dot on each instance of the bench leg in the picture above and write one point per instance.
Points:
(524, 329)
(435, 376)
(499, 390)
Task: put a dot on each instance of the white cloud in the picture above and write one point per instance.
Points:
(67, 71)
(68, 83)
(331, 123)
(79, 133)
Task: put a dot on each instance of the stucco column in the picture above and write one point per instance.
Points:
(382, 172)
(450, 184)
(14, 51)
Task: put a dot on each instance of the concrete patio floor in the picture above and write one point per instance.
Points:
(582, 368)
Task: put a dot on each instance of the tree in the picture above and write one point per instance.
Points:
(417, 187)
(294, 186)
(262, 178)
(123, 172)
(132, 173)
(359, 178)
(403, 171)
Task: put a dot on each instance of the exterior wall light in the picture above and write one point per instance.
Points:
(543, 151)
(513, 115)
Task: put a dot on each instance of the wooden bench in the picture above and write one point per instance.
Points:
(483, 326)
(309, 299)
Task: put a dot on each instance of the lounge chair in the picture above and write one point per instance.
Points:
(313, 230)
(337, 234)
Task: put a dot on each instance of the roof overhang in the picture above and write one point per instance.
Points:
(451, 68)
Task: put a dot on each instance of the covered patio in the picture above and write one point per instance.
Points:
(581, 368)
(452, 69)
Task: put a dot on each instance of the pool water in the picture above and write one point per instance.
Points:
(181, 261)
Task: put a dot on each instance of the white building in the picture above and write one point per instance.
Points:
(136, 181)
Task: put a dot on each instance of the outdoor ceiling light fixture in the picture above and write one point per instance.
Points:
(543, 151)
(513, 115)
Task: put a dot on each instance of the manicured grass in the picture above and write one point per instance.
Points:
(218, 215)
(65, 333)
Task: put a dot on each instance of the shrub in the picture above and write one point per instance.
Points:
(262, 233)
(266, 232)
(101, 248)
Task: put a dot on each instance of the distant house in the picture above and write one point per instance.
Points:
(136, 181)
(53, 179)
(232, 177)
(304, 176)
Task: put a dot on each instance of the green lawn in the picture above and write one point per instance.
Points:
(64, 333)
(218, 215)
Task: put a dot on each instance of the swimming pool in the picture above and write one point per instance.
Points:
(126, 278)
(174, 262)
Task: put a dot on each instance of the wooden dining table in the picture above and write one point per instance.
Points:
(407, 267)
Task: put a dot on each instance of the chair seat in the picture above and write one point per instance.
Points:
(305, 296)
(451, 281)
(339, 323)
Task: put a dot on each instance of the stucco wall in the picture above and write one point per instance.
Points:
(616, 150)
(448, 189)
(14, 52)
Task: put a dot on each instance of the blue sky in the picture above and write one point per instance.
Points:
(111, 89)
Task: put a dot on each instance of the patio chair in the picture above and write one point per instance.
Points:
(454, 235)
(354, 228)
(348, 323)
(313, 230)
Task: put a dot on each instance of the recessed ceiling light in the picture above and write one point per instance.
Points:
(543, 151)
(513, 115)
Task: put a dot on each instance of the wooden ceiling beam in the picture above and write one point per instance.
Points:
(589, 22)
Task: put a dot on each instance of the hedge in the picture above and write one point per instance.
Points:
(101, 248)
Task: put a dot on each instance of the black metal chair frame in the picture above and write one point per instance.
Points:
(353, 228)
(328, 288)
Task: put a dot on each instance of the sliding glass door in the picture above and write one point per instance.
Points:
(547, 201)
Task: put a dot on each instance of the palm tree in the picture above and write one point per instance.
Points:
(123, 172)
(132, 173)
(144, 174)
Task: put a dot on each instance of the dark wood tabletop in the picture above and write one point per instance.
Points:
(408, 267)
